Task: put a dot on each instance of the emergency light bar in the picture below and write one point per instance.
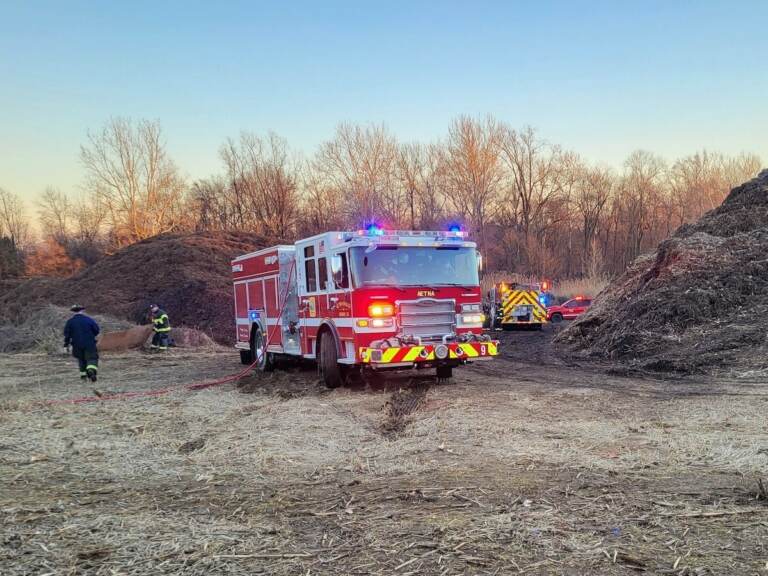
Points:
(374, 231)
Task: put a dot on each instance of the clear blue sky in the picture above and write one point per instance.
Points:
(602, 78)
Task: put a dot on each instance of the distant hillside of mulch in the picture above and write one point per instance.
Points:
(699, 303)
(189, 275)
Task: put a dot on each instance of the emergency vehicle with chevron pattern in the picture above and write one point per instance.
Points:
(365, 301)
(515, 304)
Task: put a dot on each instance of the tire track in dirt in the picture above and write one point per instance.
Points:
(400, 406)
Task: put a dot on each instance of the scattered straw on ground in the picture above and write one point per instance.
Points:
(513, 468)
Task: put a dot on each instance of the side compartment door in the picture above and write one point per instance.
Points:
(241, 312)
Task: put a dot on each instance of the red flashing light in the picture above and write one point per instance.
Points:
(579, 298)
(544, 286)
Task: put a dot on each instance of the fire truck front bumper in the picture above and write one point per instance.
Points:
(453, 353)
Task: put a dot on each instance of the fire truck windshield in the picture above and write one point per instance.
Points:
(414, 266)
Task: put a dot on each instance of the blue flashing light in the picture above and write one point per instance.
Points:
(374, 230)
(454, 228)
(544, 299)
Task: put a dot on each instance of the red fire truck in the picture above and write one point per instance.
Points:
(370, 300)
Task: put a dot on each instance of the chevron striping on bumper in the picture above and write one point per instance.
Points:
(469, 350)
(389, 354)
(413, 353)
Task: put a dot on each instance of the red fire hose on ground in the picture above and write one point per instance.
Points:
(193, 386)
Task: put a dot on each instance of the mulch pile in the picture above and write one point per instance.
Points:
(189, 275)
(698, 304)
(41, 330)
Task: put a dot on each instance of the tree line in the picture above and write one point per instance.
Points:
(533, 207)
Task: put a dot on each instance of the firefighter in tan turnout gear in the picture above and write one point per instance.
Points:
(162, 328)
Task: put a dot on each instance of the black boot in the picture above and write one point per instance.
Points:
(91, 374)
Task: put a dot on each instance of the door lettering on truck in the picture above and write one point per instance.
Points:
(270, 259)
(343, 308)
(425, 293)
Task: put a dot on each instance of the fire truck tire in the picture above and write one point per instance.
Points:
(330, 371)
(557, 317)
(246, 357)
(266, 360)
(444, 372)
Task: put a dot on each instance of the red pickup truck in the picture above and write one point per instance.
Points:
(568, 310)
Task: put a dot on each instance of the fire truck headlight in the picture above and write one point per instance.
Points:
(382, 323)
(470, 307)
(441, 351)
(380, 309)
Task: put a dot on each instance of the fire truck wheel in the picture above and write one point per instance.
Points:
(557, 317)
(444, 373)
(329, 365)
(266, 360)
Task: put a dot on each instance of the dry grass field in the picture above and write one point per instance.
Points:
(521, 465)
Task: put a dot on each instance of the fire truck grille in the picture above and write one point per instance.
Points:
(427, 318)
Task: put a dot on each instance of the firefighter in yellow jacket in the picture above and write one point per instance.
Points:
(162, 327)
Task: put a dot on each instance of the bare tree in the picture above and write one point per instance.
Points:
(739, 169)
(533, 207)
(129, 172)
(594, 188)
(13, 221)
(88, 219)
(55, 214)
(360, 163)
(539, 174)
(208, 207)
(472, 172)
(699, 182)
(262, 179)
(14, 235)
(419, 175)
(322, 205)
(639, 193)
(410, 173)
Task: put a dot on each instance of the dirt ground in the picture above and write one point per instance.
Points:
(526, 464)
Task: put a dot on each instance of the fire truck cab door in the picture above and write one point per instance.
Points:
(311, 299)
(339, 300)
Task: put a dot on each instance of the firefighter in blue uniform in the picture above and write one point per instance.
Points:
(162, 327)
(80, 333)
